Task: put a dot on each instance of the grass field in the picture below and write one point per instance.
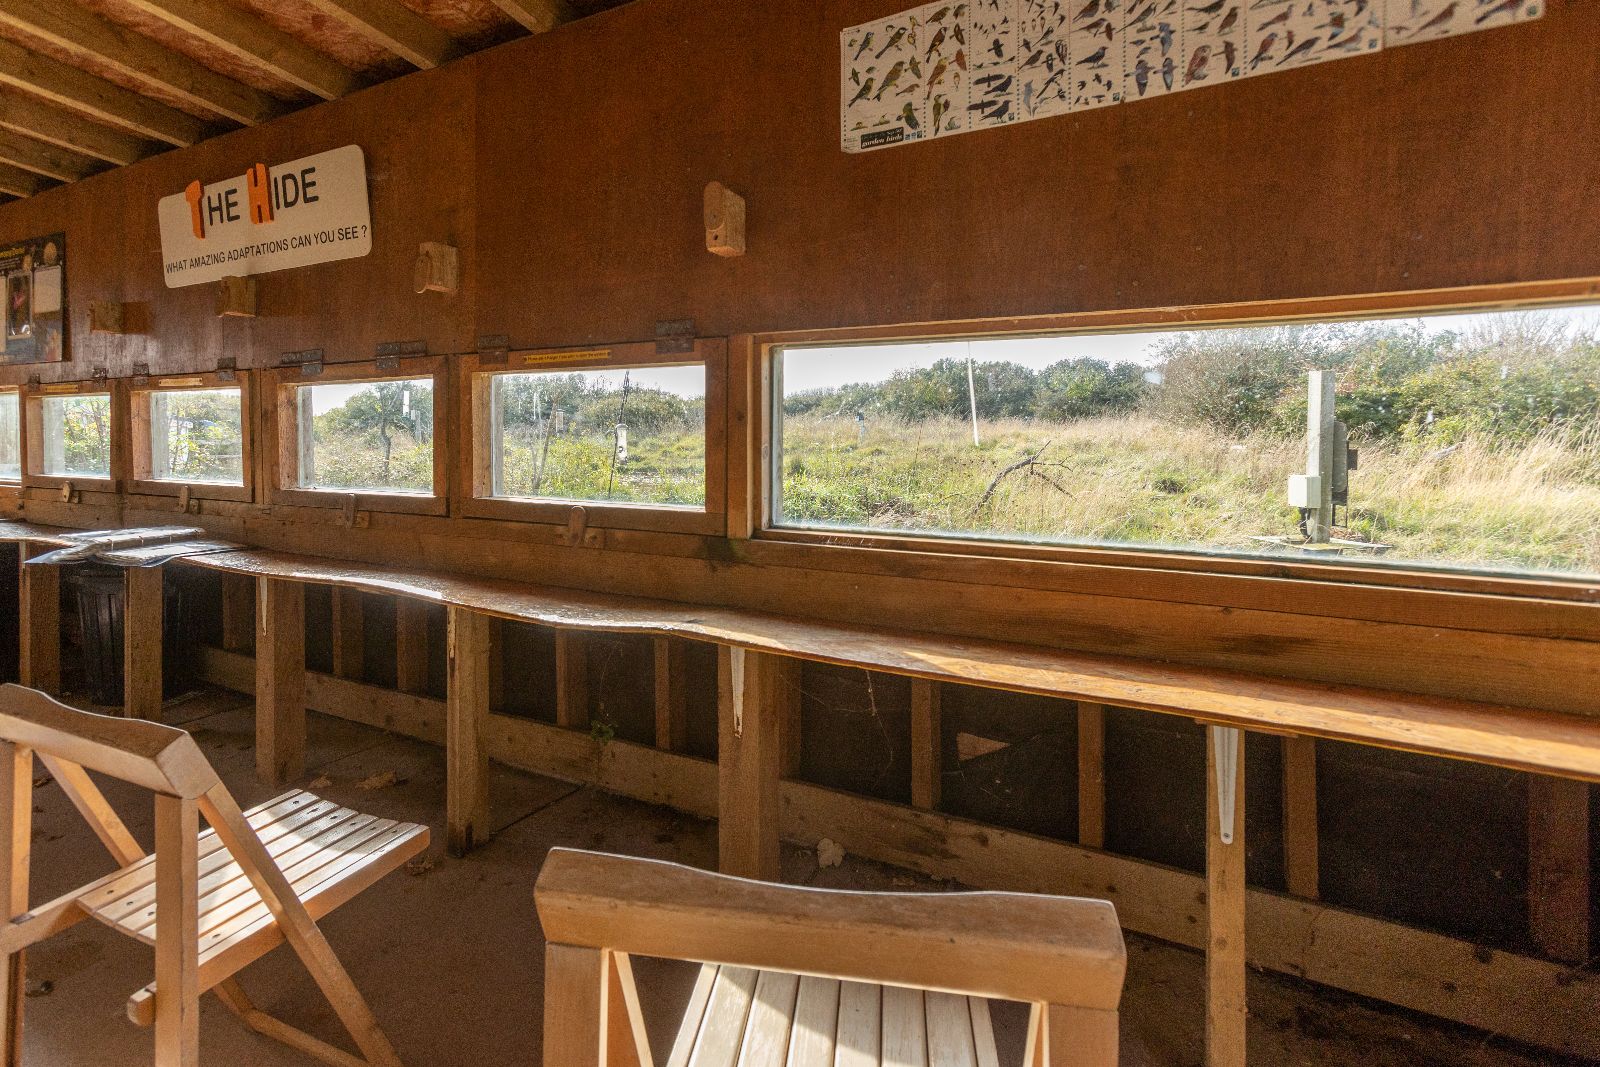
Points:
(1134, 480)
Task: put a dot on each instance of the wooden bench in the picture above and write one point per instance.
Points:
(210, 903)
(802, 977)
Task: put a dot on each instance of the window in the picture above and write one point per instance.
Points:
(1473, 440)
(196, 436)
(367, 437)
(621, 433)
(10, 436)
(75, 436)
(634, 436)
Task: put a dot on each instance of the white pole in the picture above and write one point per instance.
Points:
(972, 397)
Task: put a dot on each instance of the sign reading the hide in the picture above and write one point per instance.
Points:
(964, 65)
(312, 210)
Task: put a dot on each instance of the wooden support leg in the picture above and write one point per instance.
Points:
(497, 663)
(280, 681)
(627, 1040)
(16, 834)
(1225, 898)
(1091, 775)
(748, 764)
(466, 715)
(784, 690)
(349, 635)
(927, 769)
(141, 642)
(672, 695)
(1558, 867)
(411, 645)
(177, 933)
(1300, 816)
(40, 629)
(238, 613)
(1077, 1037)
(572, 680)
(575, 1006)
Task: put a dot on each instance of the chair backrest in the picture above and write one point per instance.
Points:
(160, 758)
(1037, 949)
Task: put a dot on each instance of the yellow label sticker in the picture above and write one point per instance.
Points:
(61, 387)
(533, 359)
(179, 383)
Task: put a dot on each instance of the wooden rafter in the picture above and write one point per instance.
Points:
(45, 159)
(394, 27)
(24, 114)
(85, 35)
(99, 98)
(253, 41)
(536, 16)
(18, 182)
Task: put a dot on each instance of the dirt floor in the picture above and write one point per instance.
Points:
(449, 953)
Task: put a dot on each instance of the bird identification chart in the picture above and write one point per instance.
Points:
(948, 68)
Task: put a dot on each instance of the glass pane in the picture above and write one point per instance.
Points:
(197, 435)
(76, 431)
(1476, 440)
(375, 437)
(10, 438)
(630, 436)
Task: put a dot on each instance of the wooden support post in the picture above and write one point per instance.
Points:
(572, 680)
(238, 612)
(672, 695)
(1225, 898)
(1091, 775)
(16, 836)
(786, 700)
(142, 591)
(1558, 867)
(927, 765)
(177, 933)
(1300, 816)
(497, 663)
(280, 680)
(575, 1006)
(349, 635)
(466, 716)
(748, 764)
(411, 645)
(40, 629)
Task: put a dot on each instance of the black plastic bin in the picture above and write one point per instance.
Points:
(99, 590)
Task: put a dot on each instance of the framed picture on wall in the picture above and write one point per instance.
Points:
(34, 286)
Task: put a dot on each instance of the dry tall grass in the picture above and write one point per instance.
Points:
(1135, 480)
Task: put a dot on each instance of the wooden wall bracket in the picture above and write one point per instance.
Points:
(725, 212)
(437, 269)
(236, 297)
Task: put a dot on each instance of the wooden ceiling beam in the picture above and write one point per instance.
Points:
(536, 16)
(394, 27)
(24, 114)
(87, 36)
(18, 182)
(247, 38)
(44, 159)
(99, 98)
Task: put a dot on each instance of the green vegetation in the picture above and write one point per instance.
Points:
(1478, 450)
(197, 436)
(380, 438)
(559, 440)
(77, 435)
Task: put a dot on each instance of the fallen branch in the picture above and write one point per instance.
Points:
(1025, 463)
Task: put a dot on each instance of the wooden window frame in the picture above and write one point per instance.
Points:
(475, 474)
(140, 393)
(12, 486)
(758, 466)
(33, 398)
(281, 436)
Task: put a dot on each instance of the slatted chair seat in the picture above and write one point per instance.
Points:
(740, 1017)
(210, 902)
(798, 977)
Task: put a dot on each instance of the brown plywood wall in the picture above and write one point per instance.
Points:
(568, 167)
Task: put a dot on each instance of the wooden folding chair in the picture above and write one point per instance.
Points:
(223, 898)
(796, 977)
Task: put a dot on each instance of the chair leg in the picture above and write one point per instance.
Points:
(16, 832)
(238, 1001)
(177, 933)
